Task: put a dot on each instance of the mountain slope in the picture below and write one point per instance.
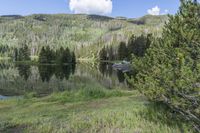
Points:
(86, 34)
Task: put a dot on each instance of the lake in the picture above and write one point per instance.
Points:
(19, 79)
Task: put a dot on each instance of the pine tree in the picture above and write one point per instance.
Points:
(24, 53)
(16, 54)
(103, 54)
(110, 54)
(43, 56)
(66, 57)
(59, 56)
(170, 70)
(130, 46)
(122, 51)
(139, 46)
(73, 58)
(49, 54)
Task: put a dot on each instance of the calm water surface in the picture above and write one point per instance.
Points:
(18, 79)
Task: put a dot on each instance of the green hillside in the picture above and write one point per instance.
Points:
(86, 34)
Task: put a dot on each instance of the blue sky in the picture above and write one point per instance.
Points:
(127, 8)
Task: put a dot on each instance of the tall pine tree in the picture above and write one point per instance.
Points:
(122, 51)
(170, 70)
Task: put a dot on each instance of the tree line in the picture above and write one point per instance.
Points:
(135, 46)
(61, 56)
(46, 55)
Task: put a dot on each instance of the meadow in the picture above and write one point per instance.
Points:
(89, 109)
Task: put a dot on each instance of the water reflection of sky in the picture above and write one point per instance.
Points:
(2, 97)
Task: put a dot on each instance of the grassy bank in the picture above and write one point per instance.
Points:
(86, 110)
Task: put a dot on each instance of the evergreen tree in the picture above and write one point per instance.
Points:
(26, 52)
(66, 57)
(122, 51)
(16, 56)
(59, 55)
(139, 46)
(103, 54)
(43, 56)
(73, 58)
(49, 55)
(170, 70)
(130, 46)
(110, 54)
(23, 54)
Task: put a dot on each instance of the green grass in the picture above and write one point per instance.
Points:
(4, 58)
(86, 110)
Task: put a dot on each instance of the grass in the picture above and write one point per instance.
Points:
(4, 58)
(86, 110)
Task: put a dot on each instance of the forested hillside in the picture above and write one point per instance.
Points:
(85, 34)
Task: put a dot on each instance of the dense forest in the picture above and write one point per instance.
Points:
(136, 46)
(46, 55)
(60, 56)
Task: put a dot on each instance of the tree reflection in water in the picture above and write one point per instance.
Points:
(107, 70)
(60, 71)
(24, 71)
(46, 72)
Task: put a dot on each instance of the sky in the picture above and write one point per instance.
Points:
(114, 8)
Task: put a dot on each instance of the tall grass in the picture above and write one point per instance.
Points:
(85, 94)
(89, 110)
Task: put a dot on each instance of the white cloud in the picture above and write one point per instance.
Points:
(165, 12)
(91, 6)
(154, 11)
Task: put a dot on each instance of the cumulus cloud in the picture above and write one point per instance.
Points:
(91, 6)
(154, 11)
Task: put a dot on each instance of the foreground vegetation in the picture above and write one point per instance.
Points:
(170, 69)
(90, 109)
